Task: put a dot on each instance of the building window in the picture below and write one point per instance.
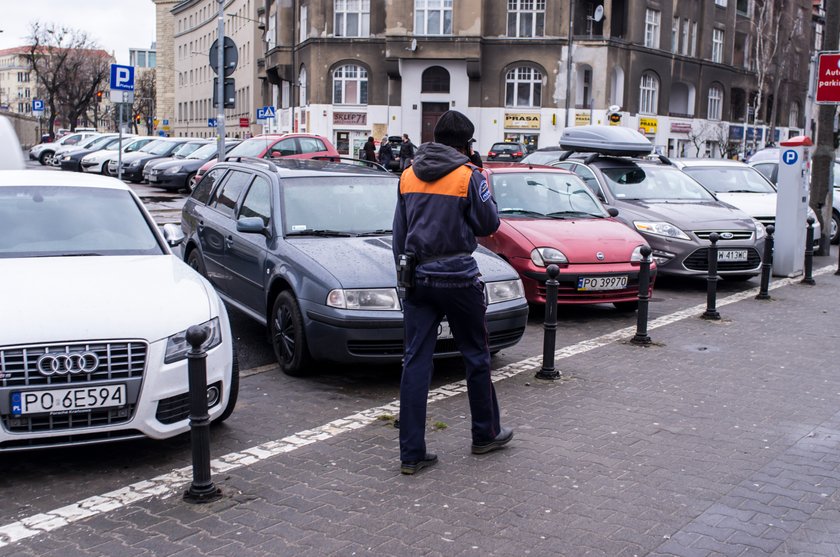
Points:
(675, 35)
(685, 37)
(526, 18)
(743, 7)
(648, 94)
(721, 3)
(352, 18)
(435, 80)
(304, 23)
(523, 87)
(694, 39)
(350, 85)
(717, 45)
(302, 84)
(433, 17)
(715, 111)
(652, 28)
(585, 88)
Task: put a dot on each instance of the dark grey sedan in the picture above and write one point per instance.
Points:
(304, 248)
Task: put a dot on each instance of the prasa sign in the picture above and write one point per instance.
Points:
(828, 78)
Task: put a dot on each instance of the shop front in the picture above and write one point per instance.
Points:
(523, 128)
(350, 132)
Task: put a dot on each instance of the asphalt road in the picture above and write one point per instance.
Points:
(272, 405)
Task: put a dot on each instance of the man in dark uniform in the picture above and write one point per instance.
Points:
(444, 203)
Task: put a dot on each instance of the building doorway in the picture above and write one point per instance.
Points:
(431, 114)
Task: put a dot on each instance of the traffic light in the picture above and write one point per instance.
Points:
(138, 118)
(99, 96)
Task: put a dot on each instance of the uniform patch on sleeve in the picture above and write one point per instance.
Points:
(484, 191)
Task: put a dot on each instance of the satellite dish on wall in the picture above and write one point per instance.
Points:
(599, 13)
(614, 108)
(413, 46)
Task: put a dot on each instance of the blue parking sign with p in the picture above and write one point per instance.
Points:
(789, 157)
(37, 105)
(122, 78)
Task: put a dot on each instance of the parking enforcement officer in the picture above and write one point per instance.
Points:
(444, 203)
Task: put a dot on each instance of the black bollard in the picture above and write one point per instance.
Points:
(711, 280)
(201, 489)
(550, 326)
(809, 253)
(641, 336)
(766, 265)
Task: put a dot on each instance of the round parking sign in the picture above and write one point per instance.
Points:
(790, 157)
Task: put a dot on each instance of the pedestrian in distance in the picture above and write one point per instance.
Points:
(444, 203)
(369, 150)
(386, 153)
(407, 149)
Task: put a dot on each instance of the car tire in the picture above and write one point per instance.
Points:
(234, 390)
(104, 170)
(188, 183)
(45, 158)
(626, 306)
(287, 335)
(195, 261)
(835, 228)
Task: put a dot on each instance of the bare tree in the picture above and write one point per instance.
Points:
(69, 68)
(144, 101)
(767, 25)
(698, 134)
(719, 133)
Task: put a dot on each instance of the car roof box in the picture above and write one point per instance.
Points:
(606, 140)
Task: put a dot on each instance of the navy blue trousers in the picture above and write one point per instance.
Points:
(464, 308)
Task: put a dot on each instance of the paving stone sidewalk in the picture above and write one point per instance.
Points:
(723, 438)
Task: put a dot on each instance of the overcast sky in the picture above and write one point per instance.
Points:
(116, 25)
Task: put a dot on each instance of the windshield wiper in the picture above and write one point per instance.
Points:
(320, 232)
(563, 214)
(377, 232)
(740, 191)
(521, 212)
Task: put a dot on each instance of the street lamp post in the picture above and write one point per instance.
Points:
(220, 87)
(569, 60)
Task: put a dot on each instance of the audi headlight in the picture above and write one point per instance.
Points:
(174, 170)
(503, 291)
(542, 257)
(661, 229)
(366, 299)
(177, 345)
(760, 231)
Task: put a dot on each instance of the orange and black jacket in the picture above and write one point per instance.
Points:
(444, 203)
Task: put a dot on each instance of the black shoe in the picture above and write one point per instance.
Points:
(502, 439)
(415, 466)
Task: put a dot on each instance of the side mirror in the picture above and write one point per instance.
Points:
(612, 211)
(250, 225)
(173, 234)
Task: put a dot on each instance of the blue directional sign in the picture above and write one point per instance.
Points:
(122, 78)
(265, 113)
(37, 105)
(211, 123)
(789, 157)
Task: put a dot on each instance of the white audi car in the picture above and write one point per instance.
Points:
(95, 309)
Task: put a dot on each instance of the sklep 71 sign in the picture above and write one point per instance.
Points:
(828, 78)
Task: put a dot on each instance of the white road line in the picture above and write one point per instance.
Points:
(173, 482)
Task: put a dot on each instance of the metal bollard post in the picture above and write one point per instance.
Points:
(809, 253)
(550, 326)
(711, 280)
(641, 336)
(766, 265)
(201, 489)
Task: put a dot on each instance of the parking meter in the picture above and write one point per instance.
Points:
(792, 206)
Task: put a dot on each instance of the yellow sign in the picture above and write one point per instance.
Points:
(647, 125)
(582, 119)
(522, 121)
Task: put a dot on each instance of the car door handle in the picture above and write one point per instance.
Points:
(229, 242)
(200, 226)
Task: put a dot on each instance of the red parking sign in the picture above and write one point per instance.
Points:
(828, 78)
(244, 122)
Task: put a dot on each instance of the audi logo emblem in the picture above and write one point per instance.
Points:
(726, 235)
(68, 363)
(599, 256)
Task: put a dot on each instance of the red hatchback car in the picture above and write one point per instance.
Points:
(272, 146)
(549, 216)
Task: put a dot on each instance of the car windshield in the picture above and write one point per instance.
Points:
(148, 147)
(88, 141)
(339, 205)
(730, 179)
(544, 194)
(652, 182)
(204, 152)
(50, 221)
(161, 148)
(544, 157)
(506, 147)
(252, 147)
(112, 144)
(100, 142)
(186, 149)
